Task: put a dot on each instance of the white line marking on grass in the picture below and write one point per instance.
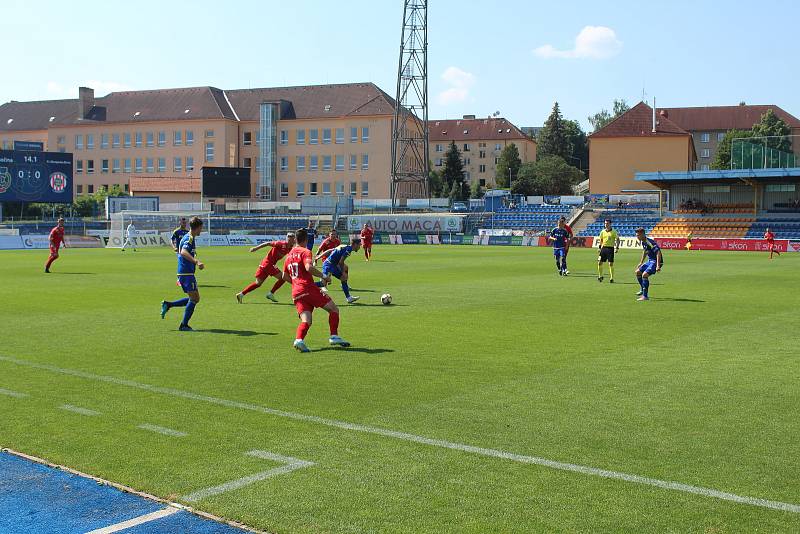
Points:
(79, 410)
(492, 453)
(15, 394)
(290, 464)
(163, 430)
(166, 512)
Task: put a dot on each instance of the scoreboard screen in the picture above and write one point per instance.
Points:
(35, 176)
(222, 182)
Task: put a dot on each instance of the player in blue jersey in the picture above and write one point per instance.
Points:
(187, 263)
(334, 265)
(312, 235)
(178, 234)
(558, 236)
(651, 263)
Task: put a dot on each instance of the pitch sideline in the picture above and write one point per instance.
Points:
(491, 453)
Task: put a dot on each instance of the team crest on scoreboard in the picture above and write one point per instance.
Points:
(58, 182)
(5, 180)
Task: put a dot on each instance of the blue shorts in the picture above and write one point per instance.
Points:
(559, 252)
(648, 267)
(329, 268)
(188, 283)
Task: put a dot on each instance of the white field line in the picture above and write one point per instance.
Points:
(492, 453)
(290, 464)
(163, 430)
(15, 394)
(78, 410)
(166, 512)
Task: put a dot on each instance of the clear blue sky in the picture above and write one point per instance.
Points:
(516, 56)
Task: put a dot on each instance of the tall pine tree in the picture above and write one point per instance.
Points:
(453, 174)
(507, 166)
(552, 139)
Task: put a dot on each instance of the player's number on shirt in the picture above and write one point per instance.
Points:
(294, 270)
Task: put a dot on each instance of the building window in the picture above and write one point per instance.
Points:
(326, 136)
(103, 140)
(89, 166)
(138, 139)
(162, 138)
(340, 189)
(209, 151)
(438, 162)
(482, 182)
(299, 189)
(284, 137)
(104, 166)
(150, 139)
(496, 161)
(162, 164)
(189, 137)
(364, 189)
(313, 137)
(138, 166)
(439, 148)
(312, 189)
(126, 139)
(466, 147)
(704, 167)
(339, 136)
(481, 168)
(127, 188)
(326, 163)
(247, 163)
(498, 146)
(209, 133)
(126, 165)
(314, 163)
(150, 167)
(115, 165)
(705, 153)
(61, 139)
(301, 137)
(340, 162)
(482, 154)
(300, 163)
(90, 189)
(247, 138)
(177, 137)
(720, 137)
(353, 162)
(354, 135)
(780, 188)
(189, 163)
(326, 188)
(284, 163)
(115, 140)
(177, 165)
(705, 137)
(365, 134)
(365, 161)
(79, 189)
(78, 142)
(284, 190)
(89, 141)
(79, 166)
(353, 188)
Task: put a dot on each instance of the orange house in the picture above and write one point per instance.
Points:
(636, 142)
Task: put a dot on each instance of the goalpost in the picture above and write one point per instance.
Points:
(153, 228)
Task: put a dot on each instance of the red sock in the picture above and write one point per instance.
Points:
(333, 320)
(277, 285)
(302, 330)
(248, 289)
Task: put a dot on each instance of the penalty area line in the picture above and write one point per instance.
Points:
(481, 451)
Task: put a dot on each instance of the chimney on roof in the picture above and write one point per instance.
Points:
(664, 113)
(85, 101)
(468, 117)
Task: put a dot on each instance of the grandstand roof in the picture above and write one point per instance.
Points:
(638, 122)
(725, 117)
(490, 129)
(661, 179)
(164, 184)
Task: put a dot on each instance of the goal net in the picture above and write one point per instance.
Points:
(150, 228)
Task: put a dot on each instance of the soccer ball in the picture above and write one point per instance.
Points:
(386, 299)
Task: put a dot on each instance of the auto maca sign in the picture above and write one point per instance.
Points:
(399, 224)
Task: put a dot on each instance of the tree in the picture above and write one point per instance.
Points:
(552, 139)
(435, 183)
(578, 144)
(453, 172)
(774, 133)
(476, 191)
(775, 129)
(550, 175)
(603, 117)
(722, 160)
(508, 165)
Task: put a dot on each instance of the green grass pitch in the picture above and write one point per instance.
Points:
(485, 346)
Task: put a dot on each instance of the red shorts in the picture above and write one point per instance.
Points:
(311, 300)
(53, 251)
(265, 270)
(367, 244)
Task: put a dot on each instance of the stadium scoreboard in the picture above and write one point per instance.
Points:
(226, 182)
(35, 176)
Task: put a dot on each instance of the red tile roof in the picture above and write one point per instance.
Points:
(725, 117)
(164, 184)
(638, 122)
(495, 129)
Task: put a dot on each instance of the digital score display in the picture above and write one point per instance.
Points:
(35, 176)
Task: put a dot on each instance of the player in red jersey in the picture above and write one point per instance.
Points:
(366, 240)
(770, 238)
(299, 270)
(268, 268)
(568, 228)
(328, 244)
(56, 241)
